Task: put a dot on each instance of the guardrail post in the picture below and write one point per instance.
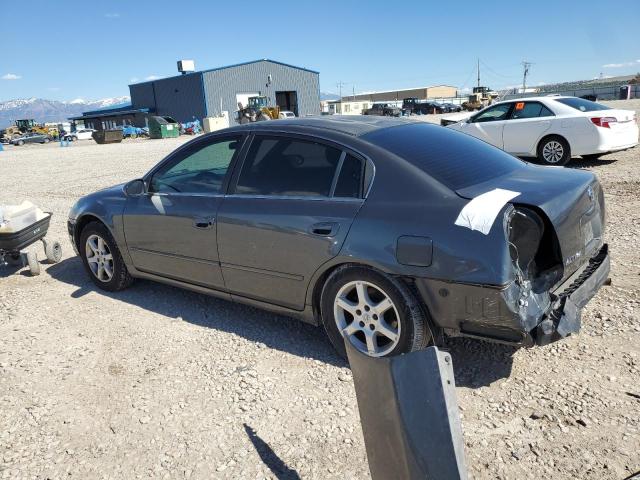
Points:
(409, 415)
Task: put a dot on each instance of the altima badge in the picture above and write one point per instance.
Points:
(571, 259)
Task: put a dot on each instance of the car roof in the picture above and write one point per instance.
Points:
(354, 125)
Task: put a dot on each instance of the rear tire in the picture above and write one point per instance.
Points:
(20, 142)
(404, 319)
(554, 150)
(113, 276)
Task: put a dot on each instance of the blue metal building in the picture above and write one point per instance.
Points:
(207, 93)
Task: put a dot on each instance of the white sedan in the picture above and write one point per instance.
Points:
(553, 128)
(286, 114)
(81, 134)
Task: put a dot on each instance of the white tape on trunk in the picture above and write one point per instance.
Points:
(480, 213)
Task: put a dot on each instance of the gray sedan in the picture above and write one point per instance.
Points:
(387, 232)
(31, 138)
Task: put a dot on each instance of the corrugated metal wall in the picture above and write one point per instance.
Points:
(180, 97)
(251, 78)
(183, 97)
(142, 95)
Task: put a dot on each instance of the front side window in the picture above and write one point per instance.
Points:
(530, 110)
(282, 166)
(200, 169)
(493, 114)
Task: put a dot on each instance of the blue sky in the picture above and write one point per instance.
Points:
(95, 49)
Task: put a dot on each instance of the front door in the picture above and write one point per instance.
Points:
(171, 230)
(528, 122)
(289, 213)
(489, 124)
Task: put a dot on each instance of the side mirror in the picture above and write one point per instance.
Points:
(134, 188)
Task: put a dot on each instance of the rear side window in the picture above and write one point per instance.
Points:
(582, 104)
(288, 167)
(351, 178)
(530, 110)
(454, 159)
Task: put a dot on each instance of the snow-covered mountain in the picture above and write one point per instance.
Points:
(42, 110)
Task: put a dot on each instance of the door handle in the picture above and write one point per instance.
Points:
(327, 229)
(203, 222)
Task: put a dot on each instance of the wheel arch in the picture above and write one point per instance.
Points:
(319, 280)
(546, 135)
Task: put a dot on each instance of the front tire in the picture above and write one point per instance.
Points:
(102, 259)
(554, 150)
(377, 313)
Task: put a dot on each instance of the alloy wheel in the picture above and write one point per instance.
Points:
(553, 151)
(99, 258)
(368, 318)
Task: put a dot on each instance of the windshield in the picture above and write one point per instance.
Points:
(454, 159)
(582, 104)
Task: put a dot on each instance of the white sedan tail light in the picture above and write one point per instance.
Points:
(604, 122)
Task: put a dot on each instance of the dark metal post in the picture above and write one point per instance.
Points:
(409, 415)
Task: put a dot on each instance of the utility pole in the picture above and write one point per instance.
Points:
(478, 71)
(525, 72)
(340, 85)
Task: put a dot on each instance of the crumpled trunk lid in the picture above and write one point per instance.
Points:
(572, 200)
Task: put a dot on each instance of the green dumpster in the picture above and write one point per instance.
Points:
(163, 127)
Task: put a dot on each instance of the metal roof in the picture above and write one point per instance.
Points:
(230, 66)
(111, 113)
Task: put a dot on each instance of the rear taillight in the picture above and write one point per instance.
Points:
(604, 122)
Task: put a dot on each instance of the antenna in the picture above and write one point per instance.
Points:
(525, 72)
(478, 71)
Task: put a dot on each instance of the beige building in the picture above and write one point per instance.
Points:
(347, 107)
(424, 93)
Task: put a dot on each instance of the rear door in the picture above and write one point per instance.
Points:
(489, 124)
(171, 229)
(288, 213)
(526, 125)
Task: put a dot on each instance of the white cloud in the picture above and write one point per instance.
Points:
(618, 65)
(11, 76)
(111, 15)
(134, 80)
(151, 77)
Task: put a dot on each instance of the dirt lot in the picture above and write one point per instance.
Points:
(159, 382)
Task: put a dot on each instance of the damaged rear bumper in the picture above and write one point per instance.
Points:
(497, 314)
(572, 296)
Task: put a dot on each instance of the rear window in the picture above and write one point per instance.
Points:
(455, 159)
(582, 104)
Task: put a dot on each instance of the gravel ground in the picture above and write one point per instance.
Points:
(160, 382)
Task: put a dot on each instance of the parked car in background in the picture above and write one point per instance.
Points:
(553, 129)
(415, 106)
(385, 231)
(383, 109)
(81, 134)
(31, 138)
(452, 107)
(286, 114)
